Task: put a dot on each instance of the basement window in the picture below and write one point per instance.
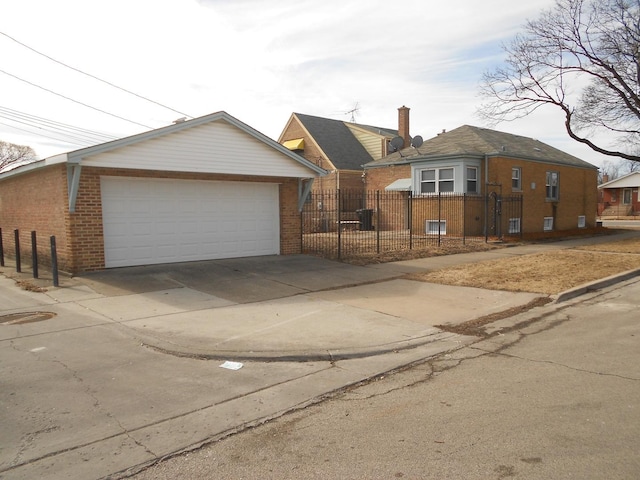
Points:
(582, 221)
(548, 224)
(514, 225)
(436, 227)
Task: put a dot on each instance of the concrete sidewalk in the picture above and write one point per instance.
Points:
(284, 308)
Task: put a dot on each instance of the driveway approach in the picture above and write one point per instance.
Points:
(123, 374)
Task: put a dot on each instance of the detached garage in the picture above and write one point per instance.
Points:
(207, 188)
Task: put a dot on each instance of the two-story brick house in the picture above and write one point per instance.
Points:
(558, 191)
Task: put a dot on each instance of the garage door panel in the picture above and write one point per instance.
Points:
(150, 221)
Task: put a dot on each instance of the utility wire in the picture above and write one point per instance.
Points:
(60, 129)
(52, 123)
(76, 101)
(46, 136)
(93, 76)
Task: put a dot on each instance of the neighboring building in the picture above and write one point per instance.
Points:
(619, 197)
(207, 188)
(341, 148)
(558, 191)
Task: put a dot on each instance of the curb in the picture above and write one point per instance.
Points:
(596, 285)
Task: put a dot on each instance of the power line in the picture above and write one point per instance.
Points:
(93, 76)
(42, 135)
(76, 101)
(68, 131)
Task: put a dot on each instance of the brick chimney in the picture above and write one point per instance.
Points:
(403, 125)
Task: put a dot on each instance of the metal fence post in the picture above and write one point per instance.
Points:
(54, 262)
(378, 221)
(339, 225)
(439, 217)
(410, 219)
(34, 254)
(1, 250)
(464, 218)
(16, 235)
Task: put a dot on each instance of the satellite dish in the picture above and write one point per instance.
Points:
(416, 141)
(396, 143)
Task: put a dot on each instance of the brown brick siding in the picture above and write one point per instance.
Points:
(38, 201)
(379, 178)
(578, 193)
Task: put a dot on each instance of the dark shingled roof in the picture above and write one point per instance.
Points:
(469, 140)
(336, 140)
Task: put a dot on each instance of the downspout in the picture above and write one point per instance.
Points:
(486, 198)
(303, 193)
(73, 183)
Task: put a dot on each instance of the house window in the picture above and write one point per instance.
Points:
(548, 224)
(626, 196)
(436, 180)
(472, 180)
(582, 221)
(514, 225)
(435, 227)
(552, 185)
(516, 178)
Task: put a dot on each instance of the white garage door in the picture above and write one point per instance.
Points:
(149, 221)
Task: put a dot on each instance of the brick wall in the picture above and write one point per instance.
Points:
(36, 201)
(578, 193)
(379, 178)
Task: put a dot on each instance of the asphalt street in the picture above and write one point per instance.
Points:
(551, 397)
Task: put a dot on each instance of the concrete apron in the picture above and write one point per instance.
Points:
(345, 323)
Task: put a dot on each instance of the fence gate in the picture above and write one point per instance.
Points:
(504, 215)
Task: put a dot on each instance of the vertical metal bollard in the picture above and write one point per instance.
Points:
(1, 250)
(54, 262)
(34, 254)
(16, 234)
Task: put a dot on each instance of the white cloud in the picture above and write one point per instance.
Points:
(259, 61)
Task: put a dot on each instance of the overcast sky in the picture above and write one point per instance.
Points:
(257, 60)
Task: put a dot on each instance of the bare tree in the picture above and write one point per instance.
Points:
(582, 57)
(12, 154)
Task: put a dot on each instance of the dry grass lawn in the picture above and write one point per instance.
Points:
(546, 273)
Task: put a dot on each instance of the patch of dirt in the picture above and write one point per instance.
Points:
(475, 327)
(398, 255)
(547, 273)
(30, 287)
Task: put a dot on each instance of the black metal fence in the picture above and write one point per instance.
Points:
(341, 224)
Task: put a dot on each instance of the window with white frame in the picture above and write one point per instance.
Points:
(626, 196)
(436, 180)
(514, 225)
(553, 180)
(472, 180)
(582, 221)
(548, 224)
(435, 227)
(516, 179)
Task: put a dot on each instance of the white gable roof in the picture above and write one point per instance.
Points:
(216, 143)
(631, 180)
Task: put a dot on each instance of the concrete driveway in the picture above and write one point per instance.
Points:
(284, 307)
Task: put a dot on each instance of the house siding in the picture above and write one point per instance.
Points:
(36, 201)
(381, 177)
(578, 193)
(205, 148)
